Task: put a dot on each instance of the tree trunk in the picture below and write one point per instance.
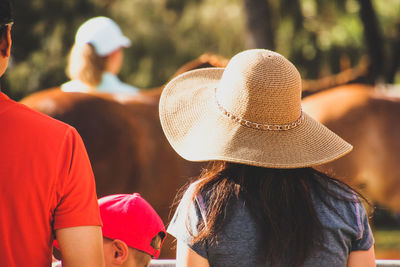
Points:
(260, 26)
(395, 56)
(373, 38)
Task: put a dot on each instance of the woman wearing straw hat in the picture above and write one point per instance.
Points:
(96, 58)
(260, 203)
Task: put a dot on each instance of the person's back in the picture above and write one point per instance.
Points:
(47, 188)
(35, 172)
(344, 221)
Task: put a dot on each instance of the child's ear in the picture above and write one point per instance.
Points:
(120, 251)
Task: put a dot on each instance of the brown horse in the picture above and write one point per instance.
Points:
(369, 121)
(125, 142)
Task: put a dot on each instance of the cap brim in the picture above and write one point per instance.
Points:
(198, 131)
(125, 41)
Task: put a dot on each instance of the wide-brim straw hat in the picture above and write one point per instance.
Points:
(249, 112)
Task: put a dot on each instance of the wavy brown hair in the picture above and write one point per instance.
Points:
(85, 65)
(280, 202)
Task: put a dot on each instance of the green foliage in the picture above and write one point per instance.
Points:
(314, 34)
(164, 39)
(164, 34)
(330, 30)
(387, 239)
(42, 35)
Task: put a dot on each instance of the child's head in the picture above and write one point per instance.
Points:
(132, 230)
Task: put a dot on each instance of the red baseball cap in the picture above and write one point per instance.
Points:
(131, 219)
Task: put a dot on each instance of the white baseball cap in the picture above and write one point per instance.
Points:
(103, 33)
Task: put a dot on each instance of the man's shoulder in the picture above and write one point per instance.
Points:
(30, 119)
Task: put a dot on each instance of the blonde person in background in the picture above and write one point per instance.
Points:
(96, 58)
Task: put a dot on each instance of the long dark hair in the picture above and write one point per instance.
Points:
(278, 199)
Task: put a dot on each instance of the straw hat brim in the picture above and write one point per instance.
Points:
(199, 131)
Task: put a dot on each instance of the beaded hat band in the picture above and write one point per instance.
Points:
(260, 126)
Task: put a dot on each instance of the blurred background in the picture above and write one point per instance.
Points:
(321, 37)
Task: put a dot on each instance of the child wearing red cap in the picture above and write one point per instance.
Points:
(132, 230)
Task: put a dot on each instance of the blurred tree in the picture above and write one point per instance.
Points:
(321, 37)
(394, 44)
(260, 24)
(373, 38)
(325, 37)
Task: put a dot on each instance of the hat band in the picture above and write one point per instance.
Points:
(255, 125)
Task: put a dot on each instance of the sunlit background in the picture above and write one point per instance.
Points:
(321, 37)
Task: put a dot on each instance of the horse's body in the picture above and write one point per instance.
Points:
(125, 142)
(370, 122)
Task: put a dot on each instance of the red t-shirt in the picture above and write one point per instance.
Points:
(46, 183)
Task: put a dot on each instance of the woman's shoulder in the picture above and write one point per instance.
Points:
(345, 219)
(110, 83)
(335, 190)
(339, 204)
(74, 86)
(188, 215)
(191, 189)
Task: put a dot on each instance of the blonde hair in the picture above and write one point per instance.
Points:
(85, 65)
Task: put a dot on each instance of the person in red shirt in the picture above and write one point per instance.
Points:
(47, 188)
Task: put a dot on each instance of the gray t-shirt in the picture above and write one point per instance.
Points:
(237, 243)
